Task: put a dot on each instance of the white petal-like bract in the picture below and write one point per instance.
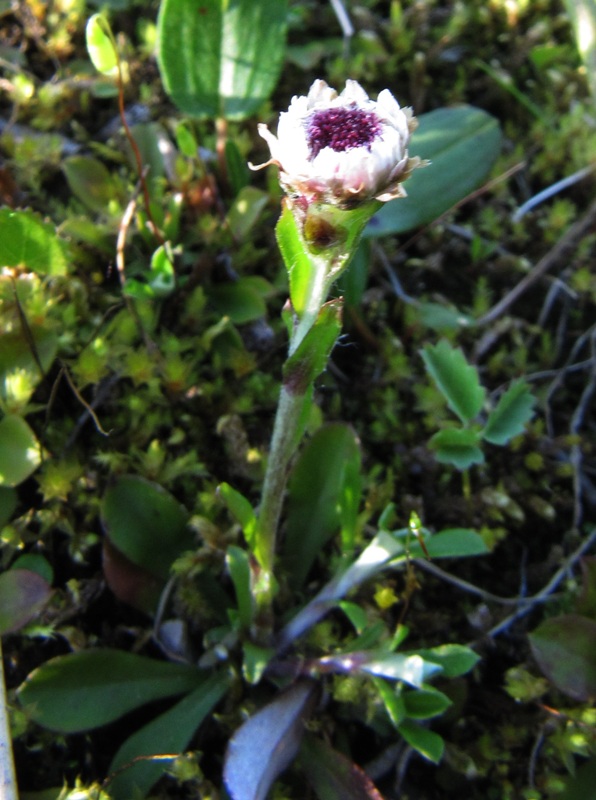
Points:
(344, 149)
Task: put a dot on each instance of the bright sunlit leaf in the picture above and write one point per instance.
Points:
(101, 45)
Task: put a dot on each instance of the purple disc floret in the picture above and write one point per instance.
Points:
(342, 149)
(342, 129)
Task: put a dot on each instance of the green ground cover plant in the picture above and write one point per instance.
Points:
(296, 471)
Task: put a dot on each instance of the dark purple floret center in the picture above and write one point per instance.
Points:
(341, 129)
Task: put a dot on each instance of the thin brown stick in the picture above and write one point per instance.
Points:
(64, 371)
(120, 266)
(432, 569)
(547, 590)
(137, 155)
(472, 196)
(27, 331)
(563, 249)
(577, 421)
(525, 605)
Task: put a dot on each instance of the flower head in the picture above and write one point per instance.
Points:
(343, 149)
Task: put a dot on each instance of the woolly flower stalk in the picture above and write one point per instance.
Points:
(345, 149)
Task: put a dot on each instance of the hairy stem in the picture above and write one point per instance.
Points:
(285, 437)
(283, 445)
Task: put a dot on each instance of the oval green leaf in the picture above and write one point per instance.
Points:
(100, 45)
(35, 562)
(91, 183)
(246, 210)
(455, 659)
(425, 703)
(240, 301)
(29, 243)
(81, 691)
(23, 594)
(221, 59)
(451, 543)
(564, 649)
(462, 145)
(146, 523)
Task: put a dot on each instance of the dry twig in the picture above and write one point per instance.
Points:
(562, 250)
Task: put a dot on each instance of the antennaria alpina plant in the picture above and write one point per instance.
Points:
(339, 157)
(295, 609)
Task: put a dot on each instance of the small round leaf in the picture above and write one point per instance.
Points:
(100, 45)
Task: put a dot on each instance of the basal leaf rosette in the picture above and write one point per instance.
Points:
(342, 149)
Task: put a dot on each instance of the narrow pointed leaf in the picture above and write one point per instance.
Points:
(146, 523)
(324, 481)
(85, 690)
(564, 649)
(392, 700)
(428, 743)
(586, 602)
(238, 565)
(582, 16)
(454, 659)
(449, 138)
(312, 354)
(168, 734)
(300, 267)
(241, 510)
(383, 548)
(8, 503)
(411, 669)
